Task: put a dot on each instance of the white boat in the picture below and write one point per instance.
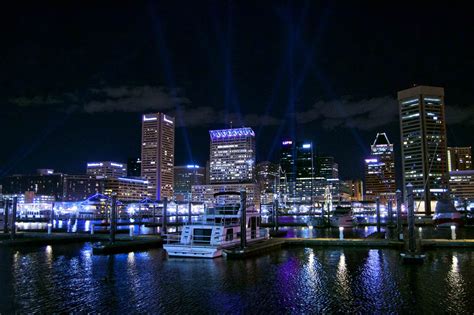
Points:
(220, 229)
(342, 217)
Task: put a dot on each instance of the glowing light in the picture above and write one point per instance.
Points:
(145, 118)
(306, 145)
(232, 133)
(133, 180)
(167, 119)
(287, 143)
(94, 164)
(192, 166)
(116, 164)
(371, 160)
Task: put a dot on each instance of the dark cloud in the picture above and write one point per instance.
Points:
(363, 114)
(134, 99)
(459, 115)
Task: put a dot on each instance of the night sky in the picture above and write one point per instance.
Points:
(75, 78)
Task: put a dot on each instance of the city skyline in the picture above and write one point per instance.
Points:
(342, 89)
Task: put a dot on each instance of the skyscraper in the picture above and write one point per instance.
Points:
(232, 156)
(268, 178)
(423, 142)
(380, 170)
(186, 176)
(158, 154)
(297, 170)
(459, 158)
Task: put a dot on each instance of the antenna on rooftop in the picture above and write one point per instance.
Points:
(231, 124)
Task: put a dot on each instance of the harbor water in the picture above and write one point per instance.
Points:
(68, 278)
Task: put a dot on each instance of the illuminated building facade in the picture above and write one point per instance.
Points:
(461, 184)
(423, 143)
(268, 179)
(232, 156)
(327, 174)
(380, 170)
(205, 193)
(352, 190)
(186, 176)
(106, 169)
(127, 189)
(297, 170)
(134, 167)
(158, 154)
(459, 158)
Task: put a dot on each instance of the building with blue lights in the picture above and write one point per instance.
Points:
(158, 154)
(185, 177)
(106, 169)
(232, 156)
(380, 170)
(423, 143)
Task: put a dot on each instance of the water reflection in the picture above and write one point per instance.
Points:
(299, 280)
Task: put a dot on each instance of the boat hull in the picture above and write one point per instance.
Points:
(193, 252)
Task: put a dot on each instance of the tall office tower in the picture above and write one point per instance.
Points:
(106, 169)
(327, 168)
(268, 179)
(459, 158)
(423, 142)
(232, 156)
(134, 167)
(380, 170)
(297, 170)
(158, 154)
(352, 190)
(185, 177)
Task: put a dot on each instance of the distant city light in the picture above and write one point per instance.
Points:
(371, 160)
(116, 164)
(94, 164)
(306, 145)
(167, 120)
(192, 166)
(287, 143)
(149, 118)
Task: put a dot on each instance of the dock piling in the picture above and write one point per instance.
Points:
(243, 219)
(399, 215)
(377, 212)
(14, 208)
(341, 232)
(411, 219)
(190, 212)
(275, 214)
(453, 232)
(164, 215)
(6, 213)
(113, 218)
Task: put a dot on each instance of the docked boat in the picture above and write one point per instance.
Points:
(446, 214)
(219, 229)
(342, 217)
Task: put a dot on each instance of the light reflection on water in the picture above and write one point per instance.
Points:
(299, 280)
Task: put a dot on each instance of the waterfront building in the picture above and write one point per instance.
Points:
(134, 167)
(106, 169)
(45, 171)
(205, 193)
(380, 170)
(158, 154)
(127, 189)
(459, 158)
(80, 187)
(186, 176)
(268, 178)
(461, 184)
(352, 190)
(423, 143)
(232, 156)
